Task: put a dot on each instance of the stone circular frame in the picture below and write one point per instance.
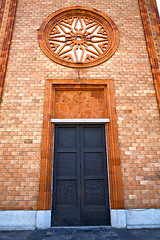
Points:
(78, 37)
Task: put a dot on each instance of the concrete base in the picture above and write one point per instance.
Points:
(43, 219)
(25, 220)
(120, 218)
(135, 218)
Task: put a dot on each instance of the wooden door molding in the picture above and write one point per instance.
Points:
(114, 167)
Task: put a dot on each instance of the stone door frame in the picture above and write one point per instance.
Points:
(114, 166)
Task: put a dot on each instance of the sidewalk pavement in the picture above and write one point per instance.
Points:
(82, 233)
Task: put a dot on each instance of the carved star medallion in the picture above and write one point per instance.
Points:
(78, 37)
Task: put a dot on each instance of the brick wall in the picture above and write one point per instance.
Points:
(23, 100)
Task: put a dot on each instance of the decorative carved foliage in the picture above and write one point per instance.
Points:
(78, 37)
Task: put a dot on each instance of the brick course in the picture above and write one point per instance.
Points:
(23, 101)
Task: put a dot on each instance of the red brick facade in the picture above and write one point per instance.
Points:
(134, 71)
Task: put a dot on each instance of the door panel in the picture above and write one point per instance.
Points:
(80, 191)
(95, 204)
(93, 164)
(64, 160)
(67, 137)
(66, 182)
(92, 137)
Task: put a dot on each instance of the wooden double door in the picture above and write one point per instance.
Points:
(80, 184)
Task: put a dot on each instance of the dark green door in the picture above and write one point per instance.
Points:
(80, 185)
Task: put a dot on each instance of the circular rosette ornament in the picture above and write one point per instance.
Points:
(78, 37)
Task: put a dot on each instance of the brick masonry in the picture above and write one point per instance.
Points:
(23, 102)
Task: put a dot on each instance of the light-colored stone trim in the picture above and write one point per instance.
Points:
(120, 218)
(80, 121)
(25, 220)
(43, 219)
(135, 218)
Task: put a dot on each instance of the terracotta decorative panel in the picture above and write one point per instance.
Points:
(156, 18)
(7, 15)
(151, 48)
(79, 104)
(78, 37)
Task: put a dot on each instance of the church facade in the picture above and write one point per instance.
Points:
(79, 113)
